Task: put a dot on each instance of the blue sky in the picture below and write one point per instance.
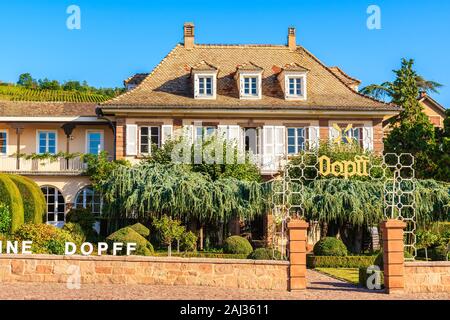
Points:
(120, 38)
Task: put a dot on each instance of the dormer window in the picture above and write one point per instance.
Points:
(249, 81)
(205, 80)
(293, 81)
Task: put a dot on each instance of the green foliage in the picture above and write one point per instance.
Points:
(5, 219)
(238, 245)
(141, 229)
(34, 204)
(76, 232)
(168, 229)
(188, 241)
(83, 217)
(45, 238)
(265, 254)
(427, 239)
(338, 261)
(330, 247)
(26, 80)
(127, 235)
(198, 254)
(10, 196)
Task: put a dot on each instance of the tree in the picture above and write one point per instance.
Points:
(169, 230)
(27, 81)
(47, 84)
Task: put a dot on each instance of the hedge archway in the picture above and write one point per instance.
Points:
(34, 204)
(10, 195)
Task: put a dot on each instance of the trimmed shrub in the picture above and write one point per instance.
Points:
(10, 196)
(188, 241)
(5, 219)
(379, 261)
(339, 262)
(128, 235)
(34, 204)
(46, 238)
(238, 245)
(141, 229)
(363, 276)
(76, 232)
(265, 254)
(84, 217)
(330, 246)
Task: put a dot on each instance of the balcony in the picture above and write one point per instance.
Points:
(58, 166)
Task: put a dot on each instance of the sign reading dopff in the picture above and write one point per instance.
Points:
(70, 248)
(345, 169)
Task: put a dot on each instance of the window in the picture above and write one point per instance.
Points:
(3, 142)
(251, 86)
(56, 206)
(252, 137)
(295, 87)
(149, 136)
(203, 133)
(353, 135)
(205, 86)
(90, 199)
(296, 140)
(47, 142)
(94, 142)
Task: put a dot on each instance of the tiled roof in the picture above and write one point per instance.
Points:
(204, 66)
(135, 79)
(169, 85)
(344, 77)
(46, 109)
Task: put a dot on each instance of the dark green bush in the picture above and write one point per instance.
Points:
(188, 241)
(141, 229)
(34, 204)
(363, 277)
(237, 244)
(439, 253)
(10, 196)
(46, 238)
(330, 246)
(128, 235)
(265, 254)
(339, 262)
(76, 231)
(5, 219)
(84, 217)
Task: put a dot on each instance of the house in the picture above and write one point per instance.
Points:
(434, 111)
(274, 100)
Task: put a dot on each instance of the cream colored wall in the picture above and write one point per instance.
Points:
(28, 138)
(69, 186)
(432, 113)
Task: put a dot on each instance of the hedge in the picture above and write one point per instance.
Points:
(10, 196)
(203, 255)
(339, 262)
(34, 204)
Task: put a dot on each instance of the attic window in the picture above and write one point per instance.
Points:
(205, 85)
(295, 86)
(250, 85)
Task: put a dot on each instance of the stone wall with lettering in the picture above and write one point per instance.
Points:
(421, 277)
(230, 273)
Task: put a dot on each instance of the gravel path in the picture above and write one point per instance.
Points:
(320, 287)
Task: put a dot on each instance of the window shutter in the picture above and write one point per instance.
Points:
(131, 135)
(234, 135)
(368, 137)
(268, 148)
(313, 137)
(279, 139)
(166, 134)
(333, 133)
(188, 132)
(196, 86)
(222, 132)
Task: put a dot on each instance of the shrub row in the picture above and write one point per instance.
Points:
(339, 262)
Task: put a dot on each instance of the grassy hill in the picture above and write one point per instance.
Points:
(16, 93)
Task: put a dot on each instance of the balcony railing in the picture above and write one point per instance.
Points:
(59, 165)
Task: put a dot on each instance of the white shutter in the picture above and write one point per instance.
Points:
(368, 137)
(333, 133)
(167, 132)
(188, 132)
(131, 137)
(279, 138)
(313, 137)
(268, 147)
(222, 132)
(234, 135)
(196, 86)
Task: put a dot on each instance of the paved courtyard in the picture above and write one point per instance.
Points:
(320, 287)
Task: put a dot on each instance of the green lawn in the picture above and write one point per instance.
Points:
(345, 274)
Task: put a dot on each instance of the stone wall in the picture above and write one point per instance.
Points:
(423, 277)
(230, 273)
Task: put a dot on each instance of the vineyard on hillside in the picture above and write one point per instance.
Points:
(16, 93)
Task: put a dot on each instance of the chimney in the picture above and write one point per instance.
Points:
(291, 39)
(189, 35)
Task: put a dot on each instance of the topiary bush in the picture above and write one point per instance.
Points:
(265, 254)
(34, 204)
(141, 229)
(46, 238)
(330, 246)
(10, 196)
(76, 232)
(128, 235)
(237, 245)
(84, 217)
